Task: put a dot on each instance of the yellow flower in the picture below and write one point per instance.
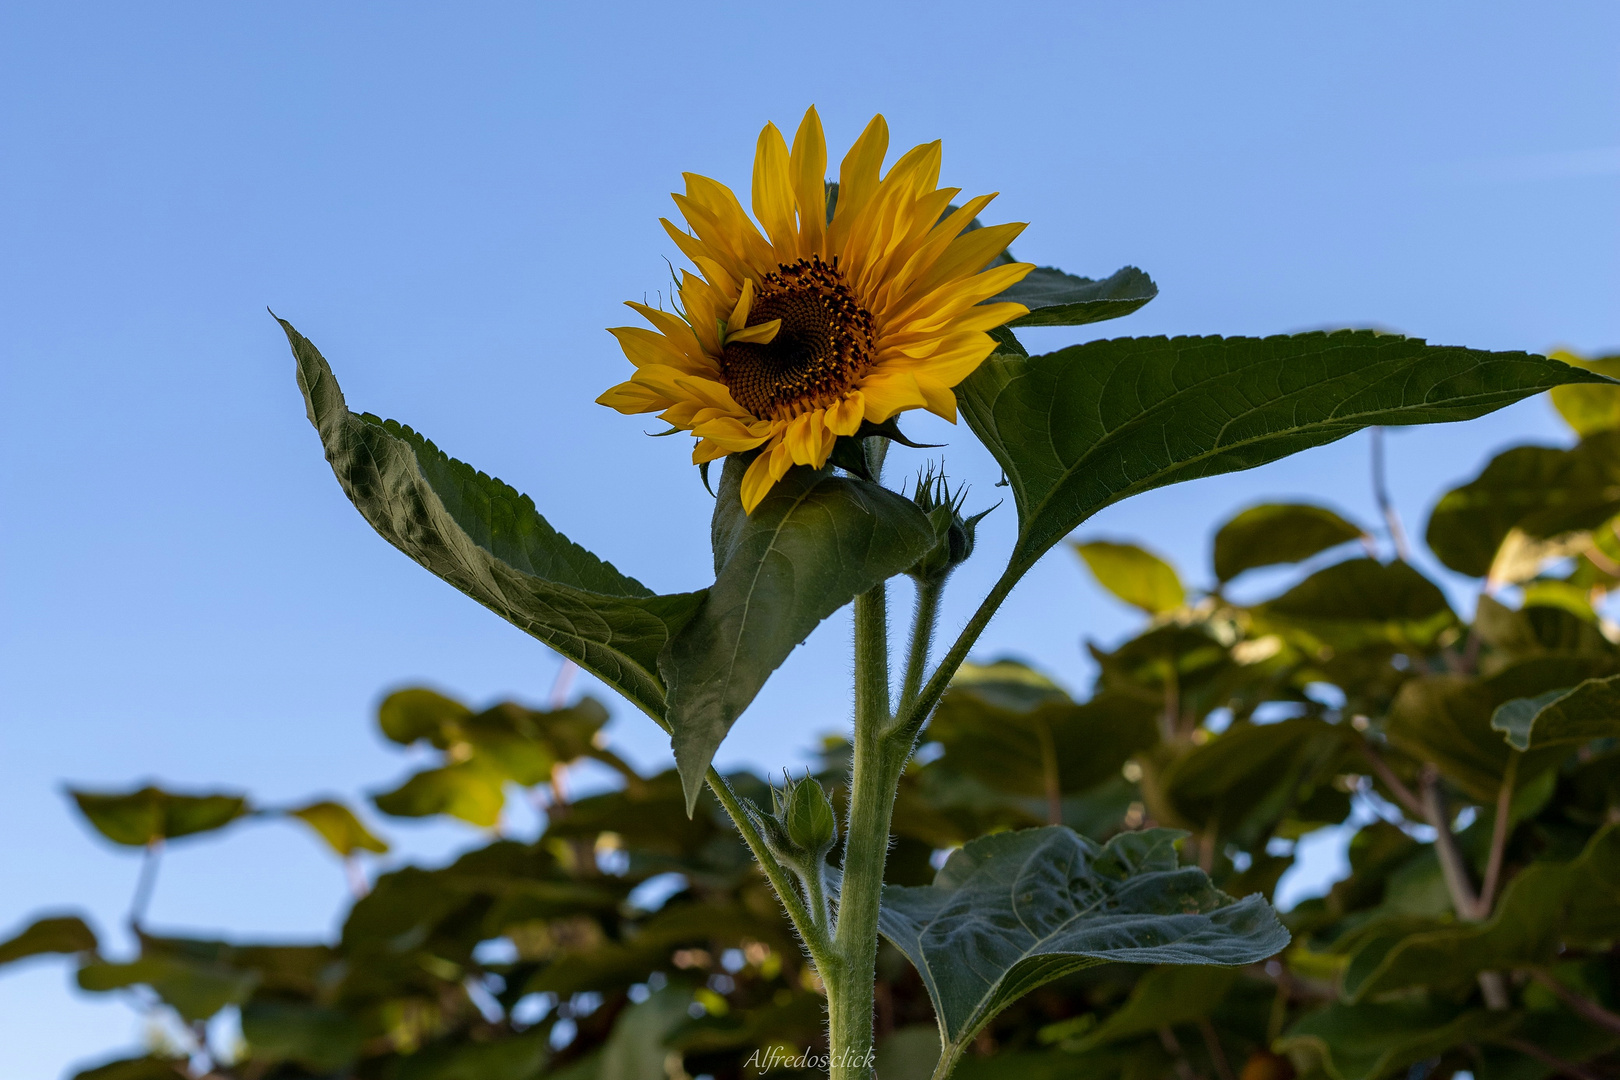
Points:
(787, 340)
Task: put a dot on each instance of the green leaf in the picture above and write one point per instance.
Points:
(149, 1067)
(1135, 575)
(317, 1037)
(518, 1057)
(1542, 491)
(1590, 711)
(815, 543)
(1013, 911)
(415, 713)
(488, 541)
(636, 1048)
(1365, 1042)
(1164, 997)
(1084, 427)
(466, 790)
(138, 818)
(1058, 299)
(53, 934)
(1589, 409)
(337, 825)
(1361, 602)
(1017, 737)
(197, 979)
(1275, 533)
(1545, 907)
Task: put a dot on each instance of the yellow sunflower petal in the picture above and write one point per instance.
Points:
(757, 482)
(707, 450)
(941, 401)
(739, 312)
(631, 397)
(858, 177)
(889, 392)
(808, 167)
(773, 191)
(845, 417)
(759, 334)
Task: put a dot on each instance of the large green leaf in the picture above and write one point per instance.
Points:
(1547, 906)
(1082, 428)
(1274, 533)
(1589, 409)
(1589, 711)
(53, 934)
(1540, 490)
(1058, 299)
(1361, 602)
(1135, 575)
(636, 1049)
(1013, 911)
(489, 541)
(138, 818)
(1164, 997)
(815, 543)
(1365, 1042)
(999, 726)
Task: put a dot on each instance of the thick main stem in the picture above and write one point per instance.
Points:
(874, 777)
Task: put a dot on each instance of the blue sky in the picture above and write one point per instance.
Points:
(453, 200)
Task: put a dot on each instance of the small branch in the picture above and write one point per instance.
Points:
(1049, 774)
(1580, 1004)
(911, 720)
(145, 883)
(1500, 828)
(1530, 1049)
(1403, 794)
(1217, 1053)
(1386, 506)
(1172, 1046)
(1452, 867)
(563, 683)
(923, 621)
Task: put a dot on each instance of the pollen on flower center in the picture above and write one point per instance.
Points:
(823, 347)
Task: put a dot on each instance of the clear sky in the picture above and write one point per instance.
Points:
(452, 200)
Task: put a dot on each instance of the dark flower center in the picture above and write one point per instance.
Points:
(822, 347)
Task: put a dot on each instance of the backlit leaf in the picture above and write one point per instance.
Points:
(138, 818)
(336, 824)
(466, 790)
(1274, 533)
(1013, 911)
(814, 544)
(1589, 409)
(1135, 575)
(489, 541)
(1589, 711)
(1082, 428)
(53, 934)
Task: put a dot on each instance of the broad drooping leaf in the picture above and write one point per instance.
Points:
(1164, 997)
(468, 790)
(1589, 409)
(1082, 428)
(197, 979)
(336, 824)
(1135, 575)
(1545, 907)
(138, 818)
(1369, 1041)
(1275, 533)
(489, 541)
(1589, 711)
(317, 1037)
(1542, 491)
(1055, 298)
(997, 724)
(815, 543)
(52, 934)
(1360, 602)
(1013, 911)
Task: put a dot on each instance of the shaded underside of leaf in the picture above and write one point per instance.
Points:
(1055, 298)
(1274, 533)
(488, 540)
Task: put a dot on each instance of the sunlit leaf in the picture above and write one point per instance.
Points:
(1013, 911)
(1362, 601)
(1589, 409)
(814, 544)
(1589, 711)
(1274, 533)
(466, 790)
(336, 824)
(1084, 427)
(138, 818)
(489, 541)
(1135, 575)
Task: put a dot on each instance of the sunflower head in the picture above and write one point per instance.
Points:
(794, 330)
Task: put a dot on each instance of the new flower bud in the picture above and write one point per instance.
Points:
(804, 824)
(953, 534)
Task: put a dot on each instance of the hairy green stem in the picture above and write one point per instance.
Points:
(922, 637)
(873, 780)
(911, 720)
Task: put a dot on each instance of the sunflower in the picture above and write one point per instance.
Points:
(785, 341)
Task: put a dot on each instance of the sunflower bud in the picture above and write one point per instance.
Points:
(804, 826)
(953, 534)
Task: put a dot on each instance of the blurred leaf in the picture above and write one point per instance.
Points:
(1362, 601)
(1058, 299)
(54, 934)
(1541, 631)
(196, 979)
(468, 790)
(314, 1036)
(140, 817)
(909, 1053)
(518, 1057)
(149, 1067)
(637, 1047)
(1274, 533)
(419, 713)
(1589, 409)
(1081, 428)
(1134, 575)
(488, 541)
(1589, 711)
(1545, 907)
(1163, 997)
(1364, 1042)
(337, 825)
(814, 544)
(1542, 491)
(1029, 907)
(1521, 556)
